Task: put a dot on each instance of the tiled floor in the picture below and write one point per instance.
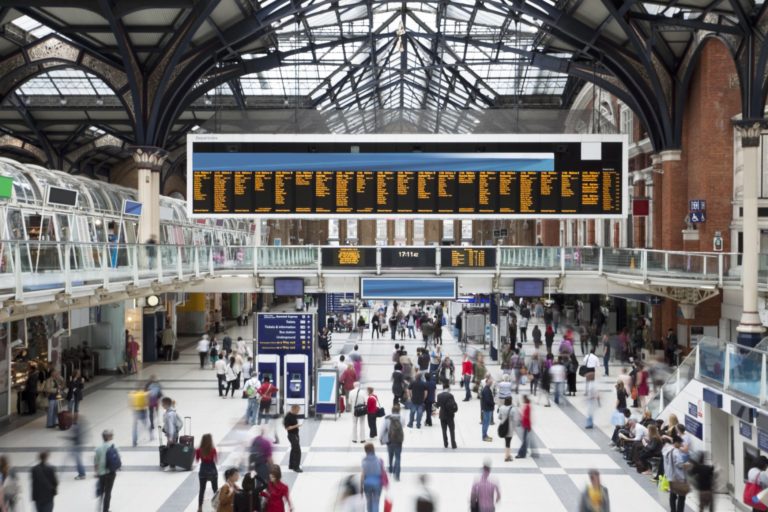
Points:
(551, 482)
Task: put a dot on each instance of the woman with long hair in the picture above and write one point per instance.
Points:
(277, 492)
(207, 456)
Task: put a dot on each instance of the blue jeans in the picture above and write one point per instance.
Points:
(418, 410)
(139, 417)
(486, 415)
(252, 413)
(372, 497)
(523, 451)
(78, 461)
(394, 451)
(53, 411)
(467, 379)
(558, 391)
(411, 332)
(606, 358)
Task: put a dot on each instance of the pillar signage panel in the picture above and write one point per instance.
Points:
(695, 427)
(281, 334)
(411, 176)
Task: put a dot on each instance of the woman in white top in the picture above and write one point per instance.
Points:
(232, 378)
(358, 396)
(503, 389)
(508, 414)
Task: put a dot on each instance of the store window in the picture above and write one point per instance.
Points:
(418, 232)
(381, 232)
(448, 230)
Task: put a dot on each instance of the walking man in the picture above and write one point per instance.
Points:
(487, 405)
(169, 343)
(418, 397)
(448, 407)
(485, 493)
(523, 324)
(202, 349)
(392, 436)
(44, 484)
(107, 462)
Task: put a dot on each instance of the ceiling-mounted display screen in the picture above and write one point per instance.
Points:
(417, 176)
(62, 196)
(288, 287)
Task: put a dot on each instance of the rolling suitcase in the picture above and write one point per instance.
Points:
(175, 355)
(187, 439)
(65, 420)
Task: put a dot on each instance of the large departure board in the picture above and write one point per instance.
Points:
(349, 257)
(416, 176)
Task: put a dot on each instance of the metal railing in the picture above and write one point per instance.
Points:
(27, 266)
(729, 367)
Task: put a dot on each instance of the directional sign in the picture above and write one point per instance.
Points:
(697, 205)
(285, 333)
(698, 217)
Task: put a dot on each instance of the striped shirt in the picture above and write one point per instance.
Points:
(486, 493)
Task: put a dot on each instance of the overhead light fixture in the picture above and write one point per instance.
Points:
(99, 101)
(400, 33)
(208, 101)
(63, 101)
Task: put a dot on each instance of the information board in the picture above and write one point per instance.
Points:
(408, 257)
(436, 288)
(349, 257)
(285, 333)
(423, 176)
(467, 257)
(340, 302)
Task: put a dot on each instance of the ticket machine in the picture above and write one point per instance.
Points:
(269, 366)
(296, 382)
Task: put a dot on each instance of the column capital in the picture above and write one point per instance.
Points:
(148, 157)
(749, 131)
(668, 155)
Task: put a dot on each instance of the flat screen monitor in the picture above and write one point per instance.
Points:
(289, 287)
(529, 287)
(62, 196)
(132, 208)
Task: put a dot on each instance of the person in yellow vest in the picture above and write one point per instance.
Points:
(139, 402)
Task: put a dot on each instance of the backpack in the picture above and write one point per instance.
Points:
(451, 406)
(395, 430)
(113, 462)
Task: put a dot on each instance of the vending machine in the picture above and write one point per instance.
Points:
(269, 366)
(296, 382)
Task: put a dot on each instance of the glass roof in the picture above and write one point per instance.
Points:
(409, 55)
(65, 82)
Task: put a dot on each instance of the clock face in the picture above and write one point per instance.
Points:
(153, 301)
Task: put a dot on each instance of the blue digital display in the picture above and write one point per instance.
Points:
(289, 287)
(529, 288)
(132, 208)
(401, 288)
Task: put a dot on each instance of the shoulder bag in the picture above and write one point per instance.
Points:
(503, 429)
(360, 409)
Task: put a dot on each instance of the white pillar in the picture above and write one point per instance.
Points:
(750, 327)
(149, 162)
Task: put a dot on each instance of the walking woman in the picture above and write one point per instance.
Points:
(606, 352)
(277, 492)
(534, 372)
(231, 376)
(572, 367)
(207, 456)
(372, 408)
(373, 479)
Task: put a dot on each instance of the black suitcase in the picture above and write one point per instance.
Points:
(175, 355)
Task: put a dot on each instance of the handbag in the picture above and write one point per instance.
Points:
(663, 483)
(583, 370)
(503, 429)
(617, 418)
(750, 496)
(380, 412)
(680, 488)
(360, 409)
(634, 393)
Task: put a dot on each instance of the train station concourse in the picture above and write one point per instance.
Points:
(366, 256)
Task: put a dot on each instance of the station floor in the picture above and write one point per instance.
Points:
(552, 481)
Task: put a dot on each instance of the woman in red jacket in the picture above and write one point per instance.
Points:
(525, 424)
(277, 492)
(372, 408)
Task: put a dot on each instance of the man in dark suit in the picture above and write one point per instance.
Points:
(44, 484)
